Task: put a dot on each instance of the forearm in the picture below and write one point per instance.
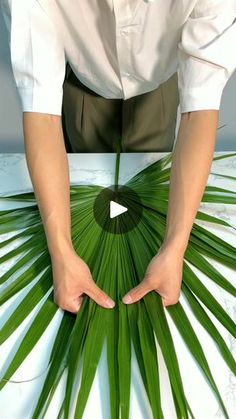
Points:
(191, 163)
(48, 168)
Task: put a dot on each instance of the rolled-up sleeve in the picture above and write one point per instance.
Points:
(207, 55)
(37, 56)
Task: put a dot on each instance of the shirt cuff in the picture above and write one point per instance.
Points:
(43, 100)
(200, 98)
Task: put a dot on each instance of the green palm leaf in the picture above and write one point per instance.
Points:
(118, 263)
(57, 364)
(147, 340)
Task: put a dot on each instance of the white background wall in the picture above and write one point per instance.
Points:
(11, 132)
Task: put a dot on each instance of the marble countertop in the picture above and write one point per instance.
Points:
(99, 169)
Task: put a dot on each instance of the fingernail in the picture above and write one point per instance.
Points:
(127, 299)
(110, 303)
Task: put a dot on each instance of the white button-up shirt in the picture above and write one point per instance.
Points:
(121, 48)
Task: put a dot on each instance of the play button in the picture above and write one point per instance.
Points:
(117, 209)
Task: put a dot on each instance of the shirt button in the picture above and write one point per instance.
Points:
(124, 32)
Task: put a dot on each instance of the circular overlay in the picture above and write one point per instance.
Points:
(122, 222)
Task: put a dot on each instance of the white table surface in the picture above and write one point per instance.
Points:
(16, 400)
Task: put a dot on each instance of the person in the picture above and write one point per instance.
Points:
(80, 67)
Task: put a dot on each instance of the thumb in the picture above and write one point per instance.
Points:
(137, 292)
(99, 296)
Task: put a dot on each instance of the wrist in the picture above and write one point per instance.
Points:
(61, 249)
(174, 245)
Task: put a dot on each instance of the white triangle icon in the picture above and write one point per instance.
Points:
(116, 209)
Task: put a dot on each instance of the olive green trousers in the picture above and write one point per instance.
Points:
(142, 123)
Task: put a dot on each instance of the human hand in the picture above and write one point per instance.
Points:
(72, 279)
(163, 275)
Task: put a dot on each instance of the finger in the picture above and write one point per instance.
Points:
(80, 301)
(136, 293)
(171, 300)
(75, 305)
(99, 296)
(78, 308)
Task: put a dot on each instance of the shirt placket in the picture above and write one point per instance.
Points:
(124, 27)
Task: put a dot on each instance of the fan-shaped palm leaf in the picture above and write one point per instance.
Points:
(117, 262)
